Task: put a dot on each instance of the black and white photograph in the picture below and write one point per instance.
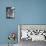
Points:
(10, 12)
(31, 34)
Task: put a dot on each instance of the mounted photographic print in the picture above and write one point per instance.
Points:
(32, 32)
(10, 12)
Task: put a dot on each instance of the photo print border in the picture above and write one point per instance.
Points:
(10, 12)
